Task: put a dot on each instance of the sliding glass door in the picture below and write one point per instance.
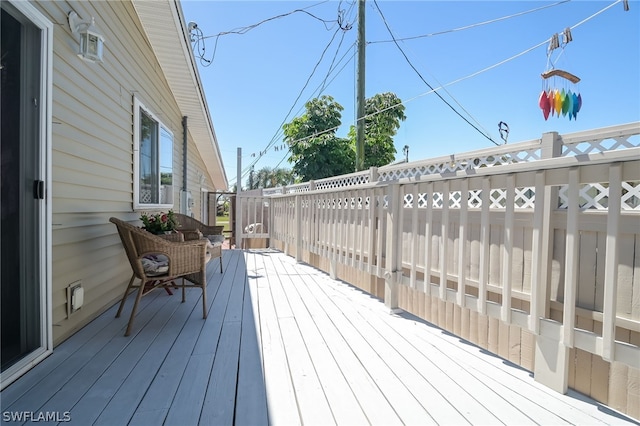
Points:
(24, 246)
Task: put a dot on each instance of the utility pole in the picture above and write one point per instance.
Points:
(360, 89)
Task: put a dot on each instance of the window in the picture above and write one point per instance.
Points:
(153, 160)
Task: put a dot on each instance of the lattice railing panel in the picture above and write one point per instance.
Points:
(422, 200)
(600, 140)
(455, 199)
(631, 195)
(475, 198)
(525, 198)
(462, 163)
(407, 201)
(609, 144)
(437, 200)
(497, 199)
(303, 187)
(595, 196)
(343, 181)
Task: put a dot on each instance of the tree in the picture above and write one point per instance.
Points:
(316, 151)
(383, 112)
(270, 178)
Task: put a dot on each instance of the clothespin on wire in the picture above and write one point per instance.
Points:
(503, 128)
(566, 36)
(554, 43)
(625, 4)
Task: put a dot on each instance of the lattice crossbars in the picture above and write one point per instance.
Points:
(475, 198)
(631, 195)
(595, 196)
(610, 144)
(461, 164)
(524, 199)
(343, 181)
(625, 137)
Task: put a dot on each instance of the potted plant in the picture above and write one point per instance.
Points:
(159, 223)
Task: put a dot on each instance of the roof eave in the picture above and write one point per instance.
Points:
(164, 24)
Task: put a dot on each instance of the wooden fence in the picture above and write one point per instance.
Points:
(531, 251)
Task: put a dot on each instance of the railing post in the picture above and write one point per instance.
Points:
(373, 174)
(462, 245)
(551, 365)
(394, 210)
(551, 145)
(551, 148)
(239, 215)
(539, 250)
(298, 231)
(507, 256)
(611, 263)
(444, 244)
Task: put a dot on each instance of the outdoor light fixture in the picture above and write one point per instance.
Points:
(91, 42)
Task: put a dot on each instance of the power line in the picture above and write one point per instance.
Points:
(517, 55)
(422, 78)
(199, 40)
(456, 101)
(302, 90)
(322, 86)
(319, 90)
(245, 171)
(244, 30)
(466, 27)
(319, 93)
(343, 24)
(434, 90)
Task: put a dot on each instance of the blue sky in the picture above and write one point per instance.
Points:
(254, 78)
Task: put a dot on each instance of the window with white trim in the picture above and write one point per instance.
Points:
(152, 160)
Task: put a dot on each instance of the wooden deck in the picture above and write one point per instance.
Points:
(330, 355)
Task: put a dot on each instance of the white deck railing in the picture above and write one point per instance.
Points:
(543, 235)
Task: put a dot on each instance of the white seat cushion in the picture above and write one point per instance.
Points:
(216, 238)
(155, 264)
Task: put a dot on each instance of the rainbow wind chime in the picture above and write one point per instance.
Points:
(559, 99)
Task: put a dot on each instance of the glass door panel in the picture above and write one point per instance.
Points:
(21, 189)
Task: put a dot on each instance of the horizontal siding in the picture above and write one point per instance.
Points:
(92, 152)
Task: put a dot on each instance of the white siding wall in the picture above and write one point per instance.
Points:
(93, 152)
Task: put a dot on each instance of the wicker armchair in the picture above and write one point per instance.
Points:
(193, 229)
(179, 259)
(187, 223)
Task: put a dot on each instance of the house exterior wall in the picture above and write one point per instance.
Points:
(92, 154)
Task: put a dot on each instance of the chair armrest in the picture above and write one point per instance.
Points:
(173, 237)
(191, 234)
(186, 257)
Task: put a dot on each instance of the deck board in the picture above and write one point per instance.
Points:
(405, 403)
(283, 344)
(281, 402)
(341, 400)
